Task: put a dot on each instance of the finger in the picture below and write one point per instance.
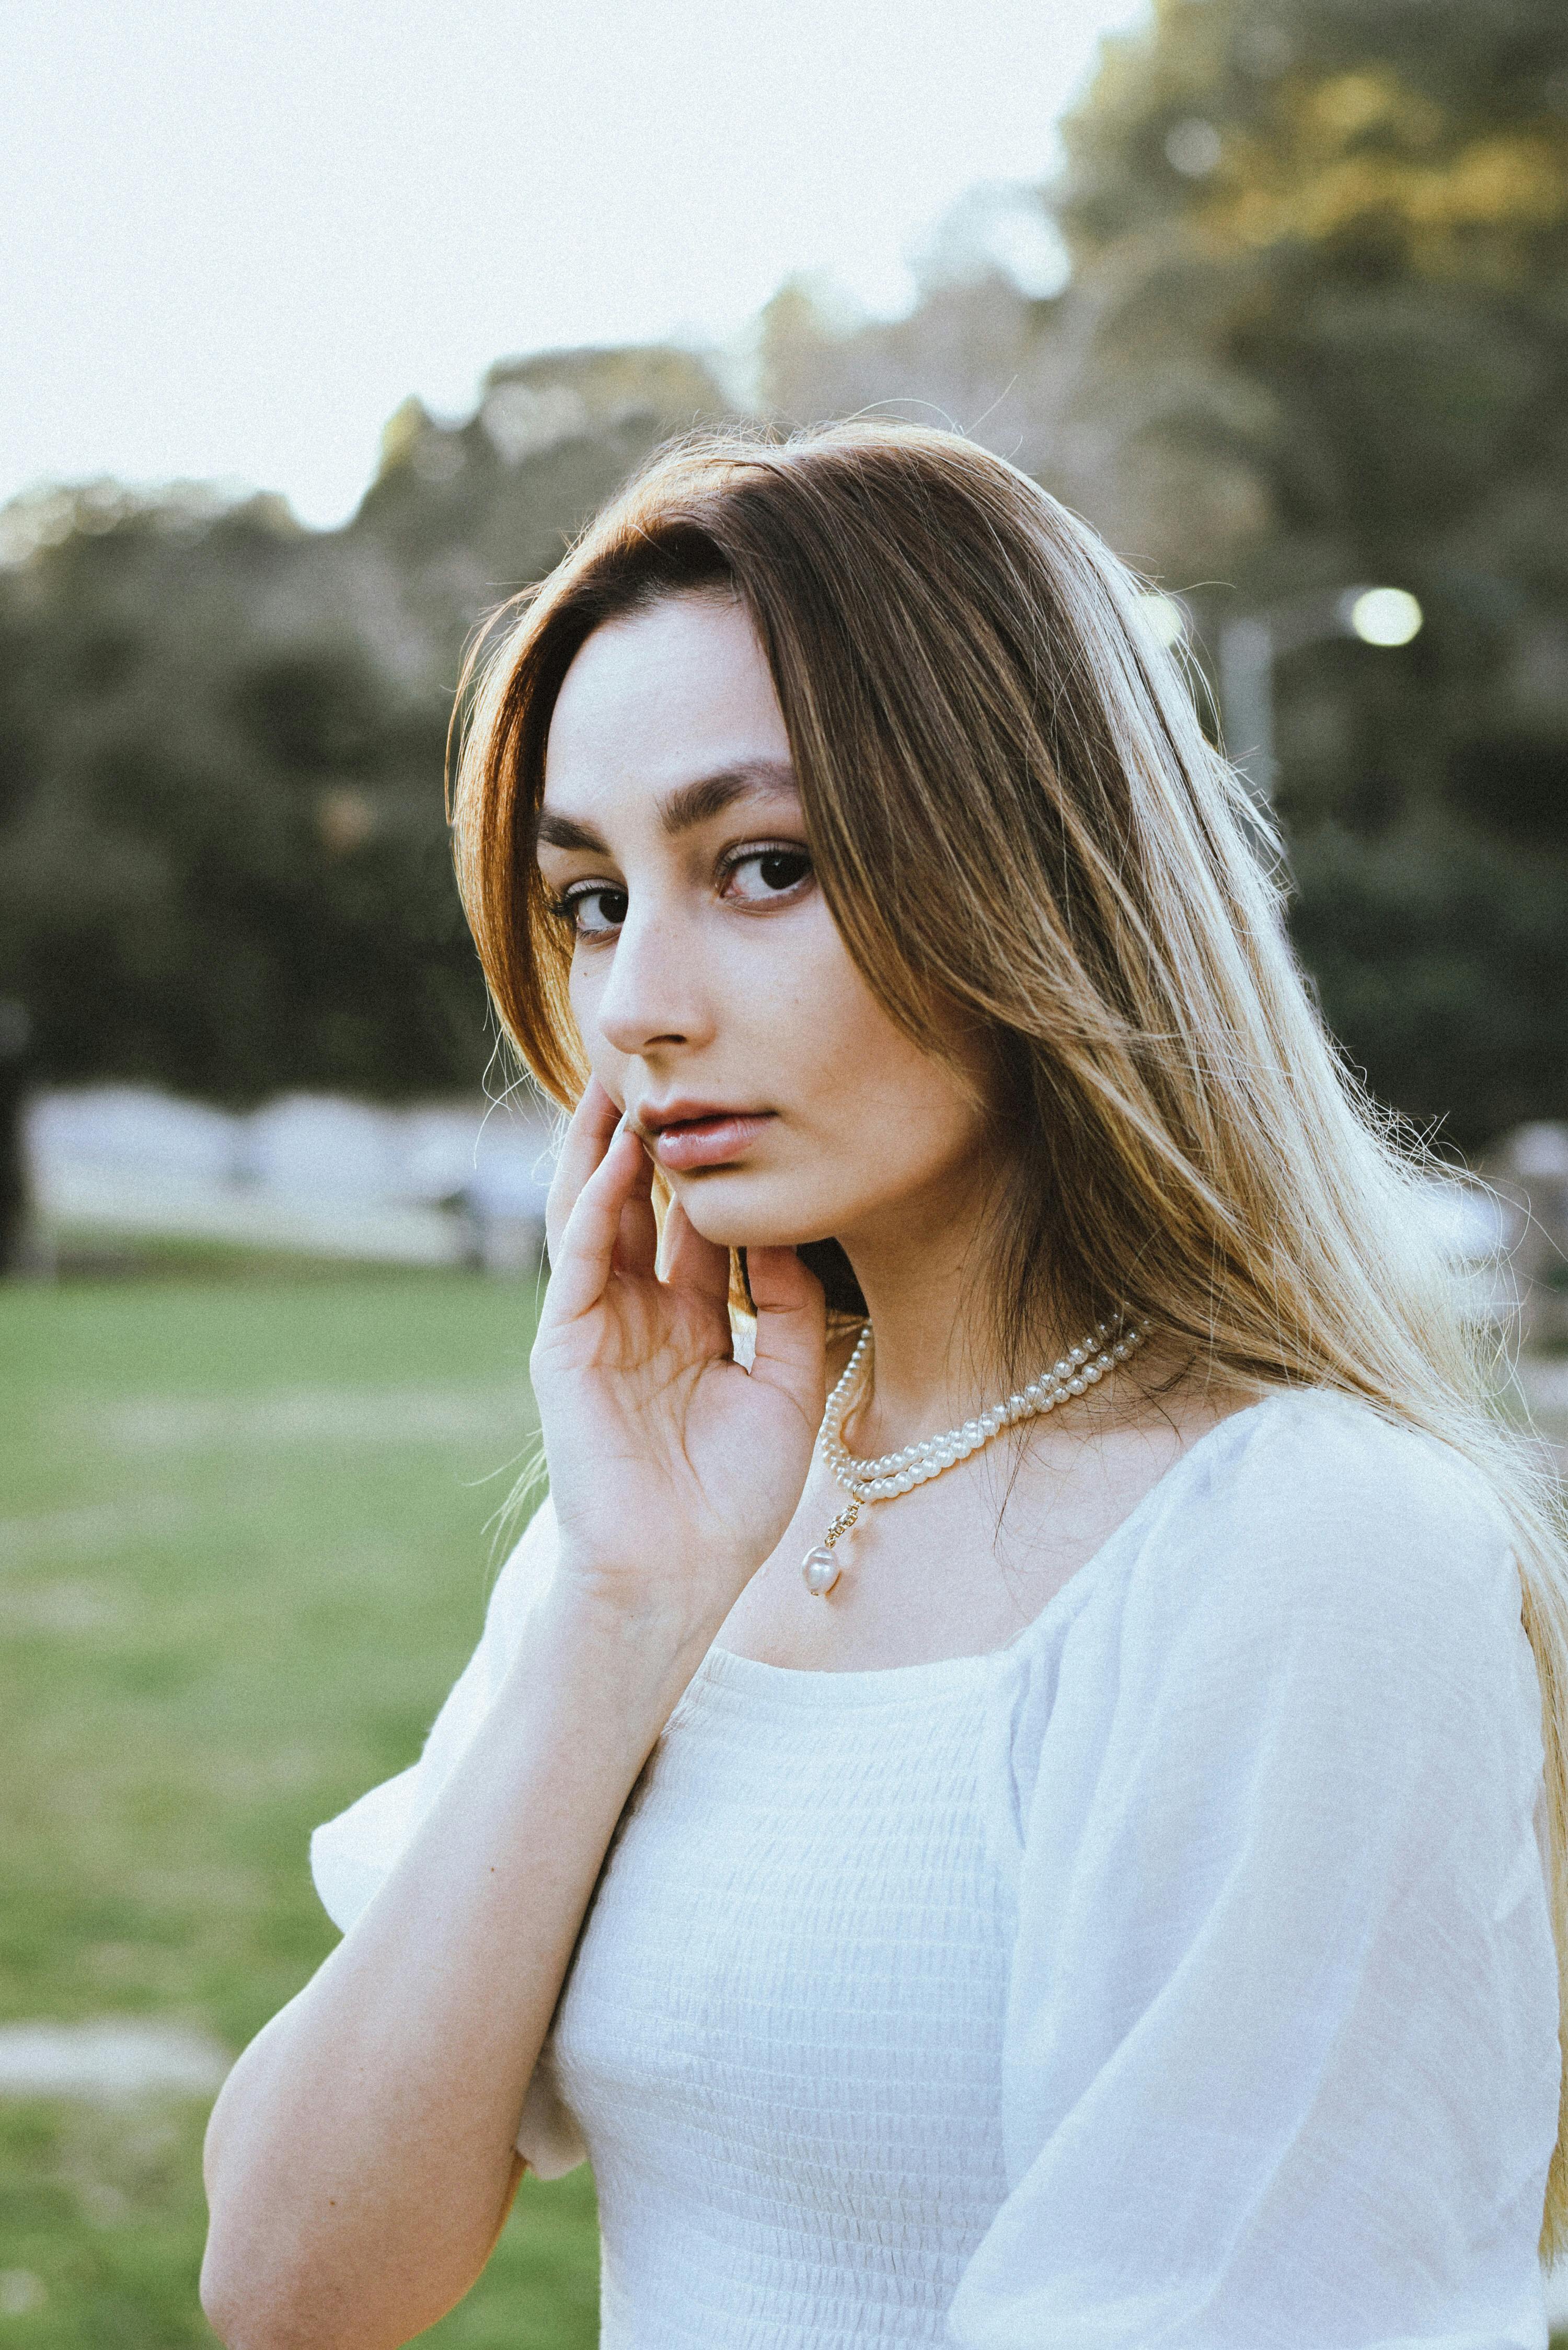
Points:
(692, 1263)
(792, 1327)
(636, 1238)
(585, 1255)
(588, 1135)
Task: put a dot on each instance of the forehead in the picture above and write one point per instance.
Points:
(651, 700)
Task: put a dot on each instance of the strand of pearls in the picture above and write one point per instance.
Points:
(891, 1474)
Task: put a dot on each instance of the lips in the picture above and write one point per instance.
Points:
(705, 1139)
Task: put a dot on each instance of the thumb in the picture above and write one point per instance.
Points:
(792, 1328)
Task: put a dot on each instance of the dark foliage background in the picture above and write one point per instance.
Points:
(1315, 332)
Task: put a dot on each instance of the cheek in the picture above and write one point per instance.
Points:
(873, 1084)
(586, 987)
(922, 1111)
(817, 996)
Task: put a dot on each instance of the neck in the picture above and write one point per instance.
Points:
(928, 1299)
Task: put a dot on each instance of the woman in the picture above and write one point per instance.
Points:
(1058, 1861)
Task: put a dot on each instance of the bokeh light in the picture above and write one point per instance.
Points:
(1385, 615)
(1164, 618)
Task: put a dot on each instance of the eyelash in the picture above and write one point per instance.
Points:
(564, 907)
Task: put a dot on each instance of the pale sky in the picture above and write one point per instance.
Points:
(237, 235)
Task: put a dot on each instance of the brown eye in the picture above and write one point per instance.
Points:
(597, 911)
(764, 873)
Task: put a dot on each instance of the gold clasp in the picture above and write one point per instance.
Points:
(841, 1525)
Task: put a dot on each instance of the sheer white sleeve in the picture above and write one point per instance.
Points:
(1281, 2062)
(352, 1856)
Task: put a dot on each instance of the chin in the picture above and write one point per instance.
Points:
(736, 1210)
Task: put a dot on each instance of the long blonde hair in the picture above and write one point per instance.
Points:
(1018, 821)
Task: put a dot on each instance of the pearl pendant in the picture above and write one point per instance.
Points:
(820, 1570)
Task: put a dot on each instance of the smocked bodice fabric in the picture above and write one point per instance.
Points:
(796, 2107)
(1179, 1978)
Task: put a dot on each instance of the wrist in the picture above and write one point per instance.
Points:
(644, 1646)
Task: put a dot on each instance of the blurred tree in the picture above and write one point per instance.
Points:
(1318, 333)
(980, 353)
(466, 511)
(187, 689)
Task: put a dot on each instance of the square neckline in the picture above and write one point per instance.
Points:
(888, 1684)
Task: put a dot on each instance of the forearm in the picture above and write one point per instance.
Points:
(360, 2157)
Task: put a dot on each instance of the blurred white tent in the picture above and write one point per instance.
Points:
(438, 1183)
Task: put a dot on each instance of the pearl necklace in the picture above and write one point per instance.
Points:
(882, 1479)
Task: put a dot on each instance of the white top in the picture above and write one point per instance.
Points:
(1180, 1977)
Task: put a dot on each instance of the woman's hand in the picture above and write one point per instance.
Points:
(673, 1470)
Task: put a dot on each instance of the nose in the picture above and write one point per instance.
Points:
(654, 995)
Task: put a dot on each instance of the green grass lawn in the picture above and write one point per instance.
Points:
(244, 1548)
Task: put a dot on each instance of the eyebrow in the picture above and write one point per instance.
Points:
(680, 810)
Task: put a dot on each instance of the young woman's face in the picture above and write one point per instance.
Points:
(714, 995)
